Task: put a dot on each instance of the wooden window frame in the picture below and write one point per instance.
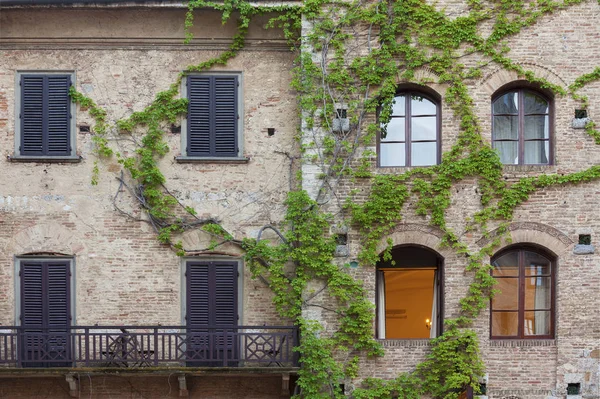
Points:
(520, 90)
(408, 129)
(520, 250)
(440, 292)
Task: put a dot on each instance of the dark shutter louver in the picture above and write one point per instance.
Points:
(45, 118)
(32, 115)
(225, 290)
(225, 116)
(58, 116)
(32, 295)
(197, 295)
(212, 116)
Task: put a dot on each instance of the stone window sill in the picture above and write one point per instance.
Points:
(514, 343)
(45, 159)
(527, 168)
(233, 160)
(391, 343)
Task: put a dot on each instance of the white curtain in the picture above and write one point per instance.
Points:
(434, 307)
(541, 321)
(380, 304)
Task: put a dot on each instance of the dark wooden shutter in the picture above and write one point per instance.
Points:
(211, 301)
(225, 116)
(32, 115)
(32, 295)
(212, 294)
(198, 306)
(45, 313)
(212, 116)
(45, 115)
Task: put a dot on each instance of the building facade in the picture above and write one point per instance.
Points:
(91, 303)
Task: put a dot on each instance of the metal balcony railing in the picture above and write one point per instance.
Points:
(148, 346)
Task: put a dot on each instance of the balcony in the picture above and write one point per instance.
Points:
(139, 347)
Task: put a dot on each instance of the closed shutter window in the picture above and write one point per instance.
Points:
(45, 115)
(212, 294)
(45, 313)
(212, 116)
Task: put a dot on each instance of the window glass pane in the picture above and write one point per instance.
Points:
(537, 152)
(537, 323)
(505, 324)
(392, 154)
(537, 293)
(507, 104)
(506, 128)
(506, 265)
(537, 127)
(421, 106)
(508, 297)
(536, 264)
(423, 128)
(395, 130)
(423, 154)
(399, 106)
(535, 104)
(508, 151)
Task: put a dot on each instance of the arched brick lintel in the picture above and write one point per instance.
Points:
(540, 234)
(501, 77)
(46, 237)
(416, 234)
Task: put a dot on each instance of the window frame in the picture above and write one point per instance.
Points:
(440, 293)
(433, 98)
(72, 125)
(521, 89)
(238, 158)
(521, 249)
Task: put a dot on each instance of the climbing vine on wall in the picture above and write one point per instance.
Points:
(351, 56)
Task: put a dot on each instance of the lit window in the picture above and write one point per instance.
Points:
(409, 294)
(524, 307)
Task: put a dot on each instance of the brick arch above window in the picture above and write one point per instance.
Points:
(534, 233)
(46, 238)
(416, 235)
(500, 77)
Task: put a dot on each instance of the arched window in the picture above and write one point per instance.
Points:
(524, 307)
(521, 127)
(409, 294)
(412, 137)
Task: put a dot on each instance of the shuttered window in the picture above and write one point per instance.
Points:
(45, 115)
(211, 314)
(211, 293)
(212, 116)
(45, 312)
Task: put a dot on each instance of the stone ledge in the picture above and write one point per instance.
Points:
(232, 160)
(515, 343)
(581, 249)
(45, 159)
(404, 343)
